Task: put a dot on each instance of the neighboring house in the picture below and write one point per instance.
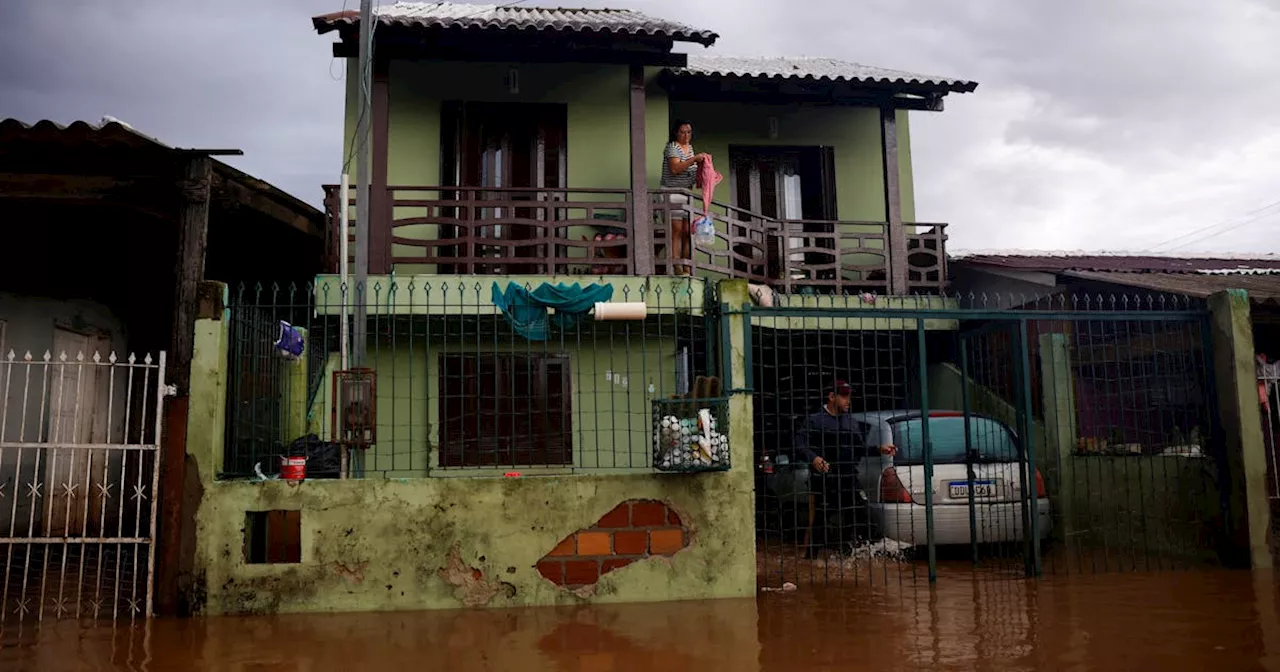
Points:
(107, 234)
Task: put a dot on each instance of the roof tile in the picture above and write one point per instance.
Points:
(505, 17)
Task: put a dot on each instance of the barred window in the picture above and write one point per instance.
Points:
(501, 409)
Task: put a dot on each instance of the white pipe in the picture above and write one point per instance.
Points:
(344, 227)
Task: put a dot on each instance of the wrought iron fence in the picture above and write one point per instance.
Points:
(1018, 435)
(1269, 411)
(78, 475)
(462, 374)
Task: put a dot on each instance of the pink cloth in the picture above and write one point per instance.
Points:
(708, 178)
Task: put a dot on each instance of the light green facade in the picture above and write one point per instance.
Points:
(381, 543)
(853, 133)
(598, 143)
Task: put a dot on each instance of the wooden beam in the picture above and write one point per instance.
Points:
(642, 221)
(893, 201)
(232, 191)
(76, 187)
(380, 204)
(193, 234)
(193, 237)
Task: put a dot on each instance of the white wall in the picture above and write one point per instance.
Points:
(28, 399)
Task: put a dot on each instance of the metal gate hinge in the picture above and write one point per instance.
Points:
(170, 390)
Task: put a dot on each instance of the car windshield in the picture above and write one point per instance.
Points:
(991, 439)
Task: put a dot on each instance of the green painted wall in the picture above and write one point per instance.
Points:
(610, 400)
(854, 132)
(379, 544)
(596, 99)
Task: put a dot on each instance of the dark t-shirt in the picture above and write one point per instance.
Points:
(835, 438)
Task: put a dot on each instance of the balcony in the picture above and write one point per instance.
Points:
(538, 231)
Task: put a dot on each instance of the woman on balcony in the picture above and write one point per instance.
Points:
(679, 171)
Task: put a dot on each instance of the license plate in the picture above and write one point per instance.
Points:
(981, 489)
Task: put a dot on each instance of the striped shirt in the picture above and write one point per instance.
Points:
(684, 180)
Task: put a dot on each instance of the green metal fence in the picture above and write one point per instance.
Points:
(1029, 436)
(457, 386)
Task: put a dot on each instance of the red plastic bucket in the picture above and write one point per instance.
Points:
(293, 468)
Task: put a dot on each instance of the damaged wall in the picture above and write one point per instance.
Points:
(434, 543)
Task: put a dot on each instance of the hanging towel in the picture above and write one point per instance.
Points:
(708, 178)
(527, 311)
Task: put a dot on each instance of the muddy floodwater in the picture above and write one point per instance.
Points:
(1167, 621)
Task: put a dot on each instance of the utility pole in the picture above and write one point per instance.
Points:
(364, 112)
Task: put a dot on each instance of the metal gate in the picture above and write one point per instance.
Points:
(1061, 435)
(79, 449)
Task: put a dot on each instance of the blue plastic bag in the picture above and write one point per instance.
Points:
(704, 231)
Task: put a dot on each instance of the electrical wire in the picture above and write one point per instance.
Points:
(1231, 224)
(1215, 234)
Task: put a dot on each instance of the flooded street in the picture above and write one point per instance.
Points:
(1166, 621)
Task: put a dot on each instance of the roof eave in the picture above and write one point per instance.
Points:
(337, 21)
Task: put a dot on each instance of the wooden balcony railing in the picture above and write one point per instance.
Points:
(518, 231)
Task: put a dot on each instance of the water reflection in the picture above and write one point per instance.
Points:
(1169, 621)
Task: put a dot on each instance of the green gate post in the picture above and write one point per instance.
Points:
(928, 449)
(1236, 385)
(968, 448)
(1030, 497)
(1060, 429)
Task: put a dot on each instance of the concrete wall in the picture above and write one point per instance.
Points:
(383, 544)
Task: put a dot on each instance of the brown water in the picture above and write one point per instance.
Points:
(1169, 621)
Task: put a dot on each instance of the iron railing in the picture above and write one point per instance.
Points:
(459, 385)
(540, 231)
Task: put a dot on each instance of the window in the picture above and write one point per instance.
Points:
(508, 410)
(990, 438)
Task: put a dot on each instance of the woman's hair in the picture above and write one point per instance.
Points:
(675, 128)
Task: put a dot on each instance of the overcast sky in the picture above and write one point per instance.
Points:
(1098, 124)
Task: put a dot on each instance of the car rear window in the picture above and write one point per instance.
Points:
(993, 441)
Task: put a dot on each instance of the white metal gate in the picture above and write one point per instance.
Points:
(79, 454)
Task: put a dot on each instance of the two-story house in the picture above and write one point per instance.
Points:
(516, 152)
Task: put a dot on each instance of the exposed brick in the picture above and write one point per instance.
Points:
(581, 572)
(611, 564)
(620, 516)
(648, 514)
(673, 518)
(594, 543)
(630, 542)
(665, 542)
(552, 570)
(565, 547)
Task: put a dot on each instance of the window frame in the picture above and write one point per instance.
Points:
(524, 399)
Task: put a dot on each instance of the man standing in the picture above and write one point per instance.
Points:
(832, 442)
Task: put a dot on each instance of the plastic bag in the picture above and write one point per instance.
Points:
(704, 231)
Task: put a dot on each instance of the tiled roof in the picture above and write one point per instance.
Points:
(519, 18)
(817, 69)
(1134, 262)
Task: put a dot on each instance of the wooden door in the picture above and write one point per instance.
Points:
(77, 418)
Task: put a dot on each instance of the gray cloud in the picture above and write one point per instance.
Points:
(1099, 124)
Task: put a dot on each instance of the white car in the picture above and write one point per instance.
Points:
(895, 486)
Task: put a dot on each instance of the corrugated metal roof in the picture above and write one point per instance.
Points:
(107, 132)
(516, 18)
(816, 69)
(112, 134)
(1126, 263)
(1262, 288)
